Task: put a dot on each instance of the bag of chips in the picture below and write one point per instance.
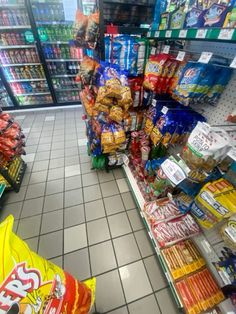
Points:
(31, 284)
(91, 34)
(80, 26)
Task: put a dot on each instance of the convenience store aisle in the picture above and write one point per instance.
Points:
(84, 220)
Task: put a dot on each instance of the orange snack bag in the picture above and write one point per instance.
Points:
(31, 284)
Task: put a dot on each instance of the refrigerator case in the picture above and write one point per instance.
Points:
(5, 100)
(63, 60)
(19, 56)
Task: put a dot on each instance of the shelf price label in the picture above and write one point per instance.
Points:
(157, 33)
(164, 110)
(205, 57)
(166, 49)
(201, 33)
(181, 55)
(168, 34)
(233, 63)
(226, 34)
(183, 33)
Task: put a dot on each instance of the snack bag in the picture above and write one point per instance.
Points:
(80, 26)
(91, 34)
(31, 284)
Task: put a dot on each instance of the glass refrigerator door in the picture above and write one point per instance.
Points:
(54, 22)
(19, 57)
(5, 100)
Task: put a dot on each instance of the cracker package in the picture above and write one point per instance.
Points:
(31, 284)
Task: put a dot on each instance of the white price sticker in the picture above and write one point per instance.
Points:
(183, 33)
(181, 55)
(205, 57)
(201, 33)
(233, 63)
(148, 34)
(166, 49)
(168, 34)
(153, 51)
(154, 102)
(157, 33)
(173, 171)
(226, 34)
(164, 110)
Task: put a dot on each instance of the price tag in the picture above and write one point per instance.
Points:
(181, 55)
(226, 34)
(166, 49)
(205, 57)
(157, 33)
(168, 34)
(154, 102)
(233, 63)
(183, 33)
(164, 110)
(153, 51)
(201, 33)
(148, 34)
(173, 171)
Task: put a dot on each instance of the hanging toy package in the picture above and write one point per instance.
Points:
(31, 284)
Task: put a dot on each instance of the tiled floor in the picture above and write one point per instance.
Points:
(84, 220)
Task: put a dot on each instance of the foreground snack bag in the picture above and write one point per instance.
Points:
(30, 284)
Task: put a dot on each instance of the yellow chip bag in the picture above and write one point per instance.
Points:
(31, 284)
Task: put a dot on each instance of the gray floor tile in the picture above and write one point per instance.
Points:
(50, 245)
(109, 188)
(42, 156)
(83, 149)
(11, 209)
(15, 226)
(33, 243)
(74, 215)
(89, 179)
(31, 149)
(38, 177)
(57, 145)
(155, 273)
(26, 179)
(53, 202)
(118, 173)
(32, 141)
(145, 305)
(73, 170)
(144, 243)
(75, 238)
(73, 197)
(16, 197)
(77, 264)
(44, 147)
(136, 284)
(55, 186)
(57, 173)
(126, 249)
(71, 160)
(92, 193)
(35, 190)
(40, 165)
(135, 219)
(56, 163)
(121, 310)
(102, 258)
(29, 157)
(84, 158)
(29, 227)
(32, 207)
(57, 138)
(119, 224)
(45, 140)
(71, 151)
(57, 153)
(57, 261)
(71, 143)
(94, 210)
(87, 168)
(113, 204)
(52, 221)
(72, 183)
(98, 231)
(105, 176)
(109, 294)
(122, 185)
(128, 200)
(166, 301)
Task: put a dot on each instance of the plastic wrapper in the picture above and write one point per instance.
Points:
(119, 134)
(80, 25)
(30, 284)
(116, 114)
(88, 68)
(91, 34)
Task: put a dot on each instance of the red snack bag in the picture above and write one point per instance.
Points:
(154, 70)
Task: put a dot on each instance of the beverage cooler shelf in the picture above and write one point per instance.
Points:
(18, 64)
(64, 75)
(27, 80)
(34, 94)
(12, 5)
(63, 60)
(17, 46)
(67, 90)
(55, 43)
(14, 27)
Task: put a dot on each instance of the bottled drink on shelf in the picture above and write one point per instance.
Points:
(19, 56)
(13, 17)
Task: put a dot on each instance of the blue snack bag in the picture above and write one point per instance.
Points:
(107, 41)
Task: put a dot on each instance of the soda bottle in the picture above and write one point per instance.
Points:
(5, 19)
